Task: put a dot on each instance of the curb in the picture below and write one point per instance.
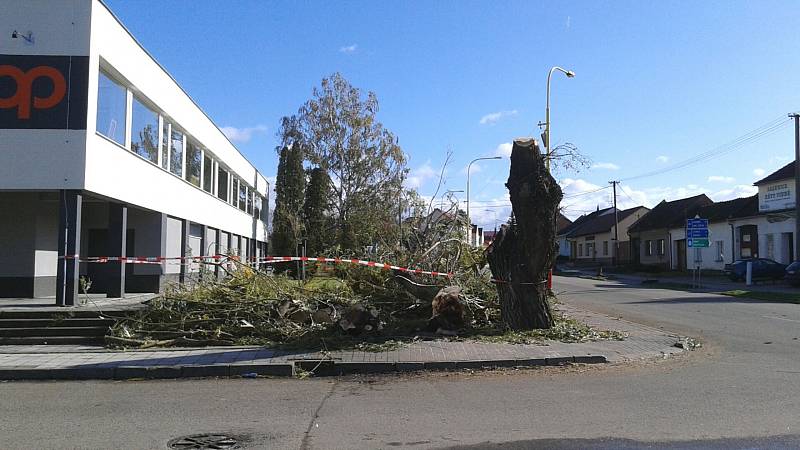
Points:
(318, 368)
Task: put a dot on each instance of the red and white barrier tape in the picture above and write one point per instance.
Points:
(259, 260)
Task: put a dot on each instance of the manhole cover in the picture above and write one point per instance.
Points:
(210, 441)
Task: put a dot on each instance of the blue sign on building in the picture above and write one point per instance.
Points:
(697, 233)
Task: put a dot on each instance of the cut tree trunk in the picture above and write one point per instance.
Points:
(523, 251)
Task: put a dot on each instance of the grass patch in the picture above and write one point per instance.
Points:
(564, 329)
(781, 297)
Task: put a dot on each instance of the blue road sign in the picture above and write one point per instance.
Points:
(697, 233)
(696, 223)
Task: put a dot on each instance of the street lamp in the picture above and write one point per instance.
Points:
(569, 74)
(449, 191)
(469, 166)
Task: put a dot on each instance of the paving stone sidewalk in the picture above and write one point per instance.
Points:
(81, 362)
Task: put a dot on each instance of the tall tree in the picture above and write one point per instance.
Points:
(289, 196)
(523, 251)
(363, 159)
(316, 211)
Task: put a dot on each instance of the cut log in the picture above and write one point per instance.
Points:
(448, 311)
(524, 250)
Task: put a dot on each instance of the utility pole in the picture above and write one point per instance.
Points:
(796, 117)
(616, 225)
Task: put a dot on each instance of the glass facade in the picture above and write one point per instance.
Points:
(165, 146)
(193, 161)
(144, 131)
(126, 118)
(208, 173)
(176, 153)
(222, 184)
(242, 196)
(111, 109)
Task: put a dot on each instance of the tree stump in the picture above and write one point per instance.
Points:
(523, 251)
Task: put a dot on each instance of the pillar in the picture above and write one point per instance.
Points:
(185, 225)
(163, 252)
(69, 244)
(117, 244)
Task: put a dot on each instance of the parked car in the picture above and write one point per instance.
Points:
(763, 269)
(793, 273)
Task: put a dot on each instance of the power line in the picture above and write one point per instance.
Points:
(626, 194)
(751, 136)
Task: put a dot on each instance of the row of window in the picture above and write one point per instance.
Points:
(159, 140)
(590, 248)
(652, 246)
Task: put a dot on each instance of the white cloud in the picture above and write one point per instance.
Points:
(419, 176)
(243, 134)
(605, 166)
(472, 170)
(569, 20)
(503, 150)
(662, 159)
(740, 190)
(348, 49)
(493, 118)
(720, 179)
(759, 172)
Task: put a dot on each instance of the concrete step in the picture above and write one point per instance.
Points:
(50, 322)
(54, 331)
(47, 314)
(52, 340)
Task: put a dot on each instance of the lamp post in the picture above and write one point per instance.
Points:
(449, 191)
(569, 74)
(469, 167)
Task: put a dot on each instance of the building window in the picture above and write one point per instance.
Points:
(111, 109)
(222, 184)
(264, 216)
(193, 161)
(176, 153)
(661, 249)
(242, 196)
(144, 131)
(249, 201)
(605, 248)
(208, 173)
(648, 248)
(165, 146)
(720, 250)
(771, 246)
(580, 249)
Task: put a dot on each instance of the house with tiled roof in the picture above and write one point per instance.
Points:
(725, 219)
(591, 237)
(651, 241)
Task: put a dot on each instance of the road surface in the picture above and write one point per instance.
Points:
(739, 391)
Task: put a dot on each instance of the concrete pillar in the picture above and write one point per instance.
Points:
(185, 226)
(217, 238)
(117, 245)
(163, 252)
(203, 248)
(69, 244)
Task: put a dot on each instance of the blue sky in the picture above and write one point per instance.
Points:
(657, 83)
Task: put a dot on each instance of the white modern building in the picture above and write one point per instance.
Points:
(103, 154)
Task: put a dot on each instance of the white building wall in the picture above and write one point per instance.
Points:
(113, 171)
(43, 159)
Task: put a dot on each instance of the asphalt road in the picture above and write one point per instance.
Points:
(739, 391)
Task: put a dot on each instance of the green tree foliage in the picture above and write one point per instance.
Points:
(316, 211)
(363, 160)
(290, 183)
